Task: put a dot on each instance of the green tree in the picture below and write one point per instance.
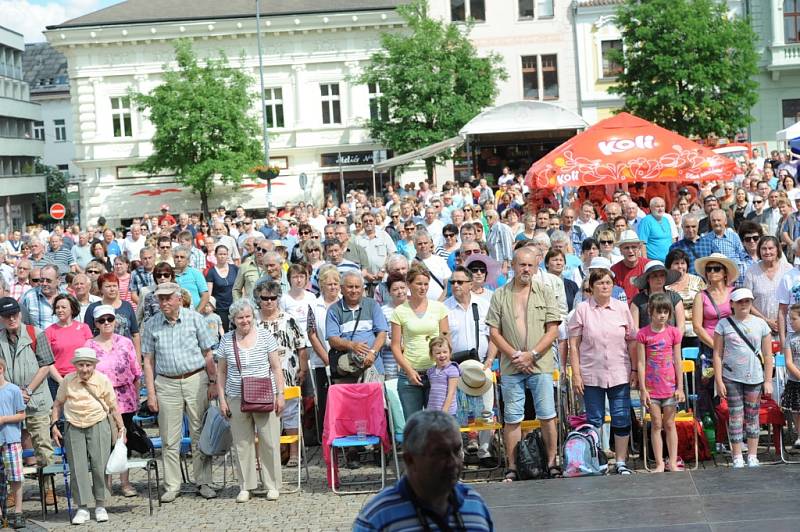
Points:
(432, 82)
(204, 127)
(687, 66)
(56, 192)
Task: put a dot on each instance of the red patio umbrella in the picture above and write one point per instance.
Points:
(627, 149)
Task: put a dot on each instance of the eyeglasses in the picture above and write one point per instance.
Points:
(164, 275)
(478, 269)
(469, 252)
(449, 235)
(22, 268)
(457, 282)
(715, 269)
(607, 242)
(751, 238)
(105, 319)
(262, 250)
(268, 298)
(164, 247)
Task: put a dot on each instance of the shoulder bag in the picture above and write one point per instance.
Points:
(470, 354)
(257, 392)
(334, 354)
(440, 283)
(756, 352)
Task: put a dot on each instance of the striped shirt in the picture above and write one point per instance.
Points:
(500, 242)
(393, 509)
(62, 258)
(255, 361)
(177, 347)
(140, 278)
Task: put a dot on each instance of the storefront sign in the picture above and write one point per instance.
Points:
(353, 158)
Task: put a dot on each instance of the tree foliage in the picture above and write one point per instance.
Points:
(688, 66)
(431, 79)
(56, 193)
(204, 129)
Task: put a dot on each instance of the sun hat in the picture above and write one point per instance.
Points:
(601, 263)
(84, 354)
(473, 380)
(653, 266)
(103, 310)
(741, 293)
(730, 266)
(492, 267)
(628, 236)
(168, 289)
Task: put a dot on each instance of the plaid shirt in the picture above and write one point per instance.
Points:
(577, 237)
(729, 245)
(500, 242)
(17, 290)
(140, 278)
(177, 347)
(197, 259)
(690, 248)
(36, 310)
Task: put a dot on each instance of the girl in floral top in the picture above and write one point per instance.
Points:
(293, 347)
(117, 360)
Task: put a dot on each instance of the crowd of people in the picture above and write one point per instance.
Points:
(429, 286)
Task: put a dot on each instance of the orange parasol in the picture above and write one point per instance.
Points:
(627, 149)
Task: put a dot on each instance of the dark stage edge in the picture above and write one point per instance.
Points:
(765, 499)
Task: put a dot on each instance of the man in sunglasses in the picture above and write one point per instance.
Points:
(377, 246)
(37, 304)
(252, 270)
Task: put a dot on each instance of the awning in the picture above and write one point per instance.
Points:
(422, 153)
(524, 115)
(791, 132)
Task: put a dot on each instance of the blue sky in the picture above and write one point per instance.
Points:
(30, 17)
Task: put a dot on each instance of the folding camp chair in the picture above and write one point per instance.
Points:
(685, 415)
(293, 392)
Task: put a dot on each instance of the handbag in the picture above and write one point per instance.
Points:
(257, 392)
(470, 354)
(334, 354)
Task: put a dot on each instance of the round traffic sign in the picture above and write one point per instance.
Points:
(58, 211)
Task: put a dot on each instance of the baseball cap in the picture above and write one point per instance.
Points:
(167, 289)
(8, 306)
(741, 293)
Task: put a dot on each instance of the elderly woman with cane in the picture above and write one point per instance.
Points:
(88, 399)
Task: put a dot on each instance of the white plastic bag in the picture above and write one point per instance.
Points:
(118, 461)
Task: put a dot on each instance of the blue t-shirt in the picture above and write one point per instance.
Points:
(192, 280)
(11, 403)
(657, 236)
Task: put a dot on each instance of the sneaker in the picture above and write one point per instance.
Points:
(738, 462)
(81, 516)
(472, 447)
(752, 461)
(206, 492)
(170, 496)
(272, 495)
(17, 521)
(796, 443)
(100, 514)
(243, 496)
(622, 469)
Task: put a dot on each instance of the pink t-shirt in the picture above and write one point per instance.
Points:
(64, 341)
(659, 374)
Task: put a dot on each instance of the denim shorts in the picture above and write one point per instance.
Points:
(664, 403)
(541, 387)
(619, 405)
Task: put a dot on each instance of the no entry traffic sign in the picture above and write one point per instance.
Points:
(58, 211)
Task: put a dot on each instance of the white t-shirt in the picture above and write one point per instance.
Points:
(788, 293)
(438, 267)
(298, 309)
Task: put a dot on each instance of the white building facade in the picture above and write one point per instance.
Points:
(317, 114)
(18, 147)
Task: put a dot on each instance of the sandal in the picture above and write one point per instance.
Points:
(510, 476)
(291, 462)
(129, 491)
(622, 469)
(554, 472)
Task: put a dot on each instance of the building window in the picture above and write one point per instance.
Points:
(791, 112)
(273, 100)
(63, 168)
(791, 20)
(378, 110)
(462, 10)
(540, 77)
(611, 68)
(121, 116)
(61, 130)
(542, 9)
(331, 104)
(38, 130)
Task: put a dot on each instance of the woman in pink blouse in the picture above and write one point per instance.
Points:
(65, 336)
(117, 360)
(122, 271)
(601, 337)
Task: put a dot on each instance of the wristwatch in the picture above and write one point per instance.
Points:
(534, 354)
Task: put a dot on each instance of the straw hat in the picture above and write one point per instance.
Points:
(473, 379)
(84, 354)
(653, 266)
(628, 237)
(730, 266)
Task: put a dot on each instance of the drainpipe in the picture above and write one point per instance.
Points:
(577, 55)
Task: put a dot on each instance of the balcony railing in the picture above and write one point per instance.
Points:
(785, 56)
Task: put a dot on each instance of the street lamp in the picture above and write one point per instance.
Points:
(263, 103)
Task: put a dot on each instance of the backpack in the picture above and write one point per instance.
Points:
(32, 334)
(686, 440)
(530, 457)
(583, 455)
(215, 438)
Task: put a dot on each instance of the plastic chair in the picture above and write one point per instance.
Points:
(336, 395)
(293, 392)
(686, 415)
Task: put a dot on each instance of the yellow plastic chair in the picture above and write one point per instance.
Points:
(293, 392)
(687, 415)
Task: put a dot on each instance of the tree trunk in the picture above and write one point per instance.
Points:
(204, 205)
(429, 165)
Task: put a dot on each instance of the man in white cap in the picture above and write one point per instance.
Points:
(180, 376)
(631, 265)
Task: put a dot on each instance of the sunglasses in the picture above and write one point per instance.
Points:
(758, 201)
(478, 269)
(458, 283)
(262, 250)
(305, 232)
(469, 252)
(105, 319)
(715, 269)
(36, 280)
(395, 216)
(163, 276)
(449, 235)
(92, 271)
(339, 222)
(751, 238)
(268, 298)
(164, 247)
(607, 242)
